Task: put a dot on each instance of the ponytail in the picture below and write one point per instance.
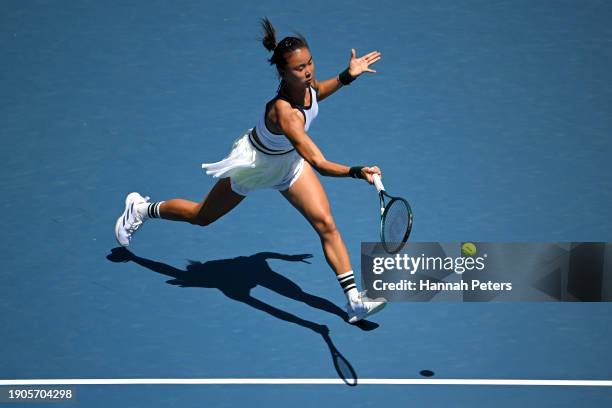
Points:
(278, 50)
(269, 38)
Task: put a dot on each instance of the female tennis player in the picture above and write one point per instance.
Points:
(277, 154)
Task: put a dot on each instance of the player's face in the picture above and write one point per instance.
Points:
(299, 70)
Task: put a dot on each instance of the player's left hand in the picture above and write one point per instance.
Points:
(358, 66)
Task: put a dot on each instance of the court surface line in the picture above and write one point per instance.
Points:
(305, 381)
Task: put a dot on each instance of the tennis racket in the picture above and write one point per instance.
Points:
(395, 219)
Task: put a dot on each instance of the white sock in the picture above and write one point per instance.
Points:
(347, 282)
(149, 210)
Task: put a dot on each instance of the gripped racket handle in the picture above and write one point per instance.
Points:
(378, 183)
(379, 186)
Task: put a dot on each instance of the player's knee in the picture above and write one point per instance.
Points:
(326, 226)
(201, 220)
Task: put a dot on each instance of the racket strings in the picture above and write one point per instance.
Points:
(396, 225)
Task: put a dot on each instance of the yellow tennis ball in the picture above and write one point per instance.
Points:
(468, 249)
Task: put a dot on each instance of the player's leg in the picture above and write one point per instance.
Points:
(307, 195)
(138, 209)
(220, 200)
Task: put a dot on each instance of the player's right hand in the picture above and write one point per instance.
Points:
(367, 173)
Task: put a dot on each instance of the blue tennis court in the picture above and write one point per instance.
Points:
(493, 119)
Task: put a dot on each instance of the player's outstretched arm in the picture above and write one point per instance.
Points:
(357, 66)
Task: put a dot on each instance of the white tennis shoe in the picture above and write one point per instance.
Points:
(130, 220)
(364, 306)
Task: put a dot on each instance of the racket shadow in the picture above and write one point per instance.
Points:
(237, 276)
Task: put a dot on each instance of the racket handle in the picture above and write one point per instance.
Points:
(378, 183)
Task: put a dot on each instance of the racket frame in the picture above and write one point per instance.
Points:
(384, 208)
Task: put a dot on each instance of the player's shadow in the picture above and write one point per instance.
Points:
(237, 276)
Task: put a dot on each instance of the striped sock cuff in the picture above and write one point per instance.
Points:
(347, 281)
(153, 209)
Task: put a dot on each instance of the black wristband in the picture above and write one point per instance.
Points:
(345, 78)
(355, 172)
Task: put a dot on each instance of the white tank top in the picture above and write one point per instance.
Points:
(277, 143)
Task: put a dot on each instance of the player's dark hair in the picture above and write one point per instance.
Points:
(280, 49)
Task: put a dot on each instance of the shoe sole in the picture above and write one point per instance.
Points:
(129, 207)
(359, 317)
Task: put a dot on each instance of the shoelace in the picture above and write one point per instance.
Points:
(134, 226)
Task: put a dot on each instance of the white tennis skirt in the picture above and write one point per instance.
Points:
(250, 169)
